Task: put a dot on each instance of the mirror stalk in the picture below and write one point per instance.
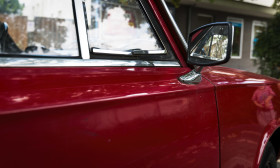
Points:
(193, 77)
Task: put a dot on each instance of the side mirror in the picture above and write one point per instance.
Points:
(210, 44)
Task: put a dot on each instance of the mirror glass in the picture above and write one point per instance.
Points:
(209, 45)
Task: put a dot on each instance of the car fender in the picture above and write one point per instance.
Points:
(243, 135)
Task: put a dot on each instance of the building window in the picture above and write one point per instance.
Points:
(204, 19)
(257, 28)
(237, 37)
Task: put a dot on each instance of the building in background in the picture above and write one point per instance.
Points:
(249, 18)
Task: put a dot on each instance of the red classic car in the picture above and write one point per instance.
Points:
(112, 83)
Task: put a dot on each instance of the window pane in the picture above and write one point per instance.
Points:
(258, 28)
(119, 25)
(236, 46)
(39, 27)
(203, 19)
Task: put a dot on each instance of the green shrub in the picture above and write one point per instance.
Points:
(267, 49)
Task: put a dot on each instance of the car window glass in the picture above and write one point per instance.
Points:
(119, 25)
(38, 28)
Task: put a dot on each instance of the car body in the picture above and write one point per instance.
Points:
(132, 111)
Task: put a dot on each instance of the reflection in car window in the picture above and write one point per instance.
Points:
(119, 25)
(38, 27)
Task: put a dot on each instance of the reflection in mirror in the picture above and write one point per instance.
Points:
(219, 47)
(212, 45)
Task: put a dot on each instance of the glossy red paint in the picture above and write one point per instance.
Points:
(106, 117)
(244, 129)
(133, 116)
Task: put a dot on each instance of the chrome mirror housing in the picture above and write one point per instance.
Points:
(210, 44)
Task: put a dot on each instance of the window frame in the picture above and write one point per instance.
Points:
(206, 16)
(84, 59)
(255, 23)
(238, 20)
(126, 53)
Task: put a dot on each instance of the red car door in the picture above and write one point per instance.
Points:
(113, 110)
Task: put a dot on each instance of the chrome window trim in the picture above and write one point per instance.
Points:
(50, 62)
(102, 51)
(166, 63)
(157, 52)
(181, 37)
(82, 31)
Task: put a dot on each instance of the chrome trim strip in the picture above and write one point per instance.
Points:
(165, 63)
(51, 62)
(104, 51)
(157, 52)
(181, 37)
(82, 31)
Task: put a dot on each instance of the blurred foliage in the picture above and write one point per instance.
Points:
(176, 3)
(277, 5)
(10, 7)
(267, 48)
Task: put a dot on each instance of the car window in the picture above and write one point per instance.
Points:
(97, 32)
(120, 26)
(38, 28)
